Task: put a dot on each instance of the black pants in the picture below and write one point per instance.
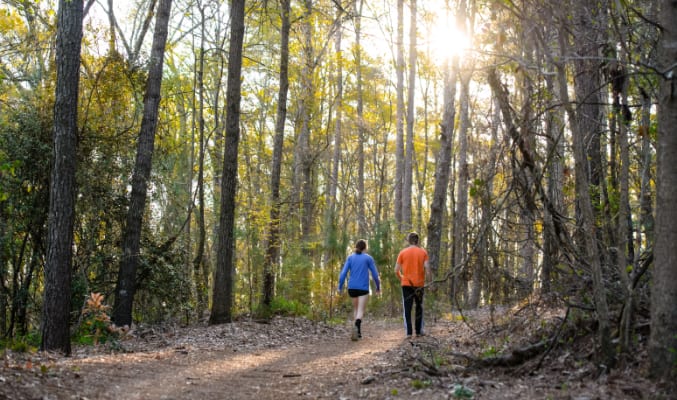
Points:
(410, 296)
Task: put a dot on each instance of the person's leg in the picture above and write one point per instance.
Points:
(356, 305)
(361, 307)
(419, 310)
(407, 302)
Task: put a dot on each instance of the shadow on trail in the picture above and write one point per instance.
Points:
(324, 365)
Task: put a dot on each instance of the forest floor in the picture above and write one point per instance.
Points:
(469, 357)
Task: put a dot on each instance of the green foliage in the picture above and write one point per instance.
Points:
(23, 344)
(95, 326)
(419, 384)
(163, 284)
(489, 352)
(284, 307)
(462, 392)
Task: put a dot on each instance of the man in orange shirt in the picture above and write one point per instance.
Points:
(412, 269)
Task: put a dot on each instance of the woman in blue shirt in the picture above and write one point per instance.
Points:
(360, 264)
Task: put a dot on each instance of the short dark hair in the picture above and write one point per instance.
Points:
(360, 246)
(412, 238)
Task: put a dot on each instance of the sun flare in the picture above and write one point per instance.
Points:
(445, 40)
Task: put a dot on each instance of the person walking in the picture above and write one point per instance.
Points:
(412, 269)
(360, 265)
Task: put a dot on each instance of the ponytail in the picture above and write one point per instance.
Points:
(360, 246)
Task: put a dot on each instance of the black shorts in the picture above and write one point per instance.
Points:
(357, 292)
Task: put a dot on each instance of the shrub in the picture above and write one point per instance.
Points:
(95, 325)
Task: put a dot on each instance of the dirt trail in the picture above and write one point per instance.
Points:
(293, 358)
(316, 365)
(315, 370)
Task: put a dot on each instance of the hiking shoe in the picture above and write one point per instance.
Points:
(355, 334)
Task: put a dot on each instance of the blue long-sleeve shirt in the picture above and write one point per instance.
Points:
(359, 265)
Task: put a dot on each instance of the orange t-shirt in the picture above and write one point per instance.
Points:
(412, 261)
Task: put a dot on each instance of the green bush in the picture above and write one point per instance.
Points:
(96, 326)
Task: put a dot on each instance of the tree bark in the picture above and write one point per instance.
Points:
(399, 139)
(199, 260)
(443, 166)
(460, 236)
(273, 245)
(589, 252)
(57, 294)
(131, 240)
(361, 209)
(555, 183)
(222, 298)
(407, 185)
(663, 340)
(303, 190)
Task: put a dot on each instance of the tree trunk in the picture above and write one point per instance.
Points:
(411, 110)
(438, 206)
(331, 246)
(589, 252)
(399, 140)
(460, 236)
(303, 186)
(647, 221)
(4, 258)
(273, 245)
(663, 340)
(57, 294)
(126, 283)
(361, 217)
(555, 183)
(222, 299)
(200, 259)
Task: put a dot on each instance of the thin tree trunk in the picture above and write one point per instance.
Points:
(222, 299)
(23, 297)
(273, 245)
(399, 140)
(199, 259)
(555, 182)
(460, 236)
(646, 208)
(624, 232)
(4, 259)
(589, 251)
(58, 269)
(126, 283)
(302, 193)
(409, 149)
(436, 226)
(361, 217)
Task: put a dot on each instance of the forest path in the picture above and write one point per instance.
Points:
(294, 358)
(319, 364)
(282, 359)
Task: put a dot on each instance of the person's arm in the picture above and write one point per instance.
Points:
(374, 274)
(344, 273)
